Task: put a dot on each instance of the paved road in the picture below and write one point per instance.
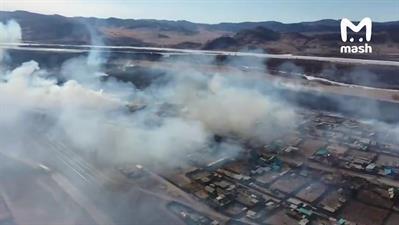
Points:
(86, 48)
(86, 185)
(76, 176)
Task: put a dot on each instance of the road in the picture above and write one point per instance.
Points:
(90, 186)
(87, 48)
(194, 203)
(76, 176)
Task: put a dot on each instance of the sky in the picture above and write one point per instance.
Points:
(214, 11)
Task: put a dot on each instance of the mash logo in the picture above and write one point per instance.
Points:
(356, 48)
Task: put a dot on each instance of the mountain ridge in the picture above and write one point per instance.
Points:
(319, 37)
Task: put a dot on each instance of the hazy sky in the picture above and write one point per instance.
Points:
(214, 11)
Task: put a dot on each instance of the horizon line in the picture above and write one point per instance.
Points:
(181, 20)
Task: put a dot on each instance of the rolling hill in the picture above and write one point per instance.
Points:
(306, 38)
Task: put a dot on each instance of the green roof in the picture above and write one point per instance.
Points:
(322, 151)
(388, 171)
(305, 211)
(276, 167)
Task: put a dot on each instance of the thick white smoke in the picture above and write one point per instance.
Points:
(95, 120)
(225, 106)
(179, 116)
(10, 32)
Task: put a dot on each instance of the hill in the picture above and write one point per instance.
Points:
(306, 38)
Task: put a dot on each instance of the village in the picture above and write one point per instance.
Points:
(331, 170)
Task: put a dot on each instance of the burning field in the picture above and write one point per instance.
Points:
(79, 115)
(157, 144)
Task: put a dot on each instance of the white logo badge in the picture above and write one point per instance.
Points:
(345, 24)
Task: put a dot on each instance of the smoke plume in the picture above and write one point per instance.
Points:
(175, 117)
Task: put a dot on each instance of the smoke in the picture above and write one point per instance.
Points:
(233, 109)
(10, 33)
(112, 122)
(174, 118)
